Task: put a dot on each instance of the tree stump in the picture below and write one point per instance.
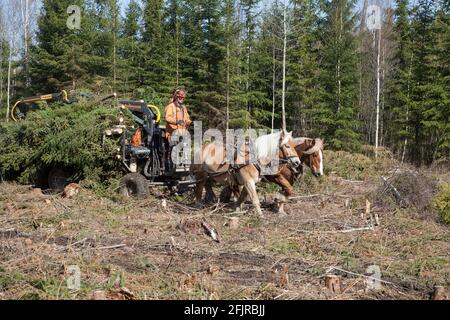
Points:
(233, 223)
(438, 293)
(99, 295)
(333, 283)
(347, 203)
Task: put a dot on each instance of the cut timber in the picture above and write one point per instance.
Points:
(367, 212)
(71, 190)
(333, 283)
(99, 295)
(438, 293)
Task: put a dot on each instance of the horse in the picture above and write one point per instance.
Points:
(310, 152)
(311, 155)
(215, 167)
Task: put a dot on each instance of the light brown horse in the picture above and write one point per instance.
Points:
(310, 154)
(214, 166)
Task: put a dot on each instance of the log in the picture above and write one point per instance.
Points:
(333, 283)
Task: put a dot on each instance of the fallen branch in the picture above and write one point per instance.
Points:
(308, 196)
(338, 231)
(72, 244)
(112, 247)
(356, 229)
(393, 188)
(353, 181)
(358, 274)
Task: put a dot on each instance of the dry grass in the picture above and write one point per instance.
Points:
(159, 252)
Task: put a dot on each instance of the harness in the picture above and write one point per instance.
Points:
(234, 168)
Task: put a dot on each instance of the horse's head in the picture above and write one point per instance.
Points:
(310, 152)
(287, 150)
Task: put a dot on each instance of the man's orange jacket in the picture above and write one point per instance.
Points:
(172, 115)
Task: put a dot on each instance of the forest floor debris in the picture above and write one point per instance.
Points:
(154, 249)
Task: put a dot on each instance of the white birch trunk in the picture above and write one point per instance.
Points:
(377, 119)
(228, 86)
(273, 85)
(9, 82)
(405, 143)
(338, 67)
(283, 89)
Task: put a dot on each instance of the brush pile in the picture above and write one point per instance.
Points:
(67, 136)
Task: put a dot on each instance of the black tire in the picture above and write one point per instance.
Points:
(58, 178)
(134, 185)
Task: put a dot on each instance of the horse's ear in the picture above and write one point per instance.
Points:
(290, 134)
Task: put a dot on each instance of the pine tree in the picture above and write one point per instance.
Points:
(210, 89)
(399, 87)
(65, 58)
(104, 15)
(425, 89)
(303, 91)
(130, 67)
(250, 98)
(173, 29)
(440, 112)
(4, 53)
(269, 65)
(157, 74)
(432, 92)
(336, 113)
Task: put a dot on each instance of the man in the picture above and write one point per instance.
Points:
(176, 114)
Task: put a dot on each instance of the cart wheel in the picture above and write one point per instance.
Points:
(134, 185)
(58, 178)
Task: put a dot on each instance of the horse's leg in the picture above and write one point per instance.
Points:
(210, 195)
(236, 192)
(228, 191)
(250, 186)
(225, 194)
(287, 189)
(199, 191)
(241, 199)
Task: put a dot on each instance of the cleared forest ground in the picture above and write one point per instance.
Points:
(156, 249)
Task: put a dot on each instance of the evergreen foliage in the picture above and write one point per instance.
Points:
(68, 136)
(228, 56)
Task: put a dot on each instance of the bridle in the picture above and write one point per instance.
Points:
(288, 158)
